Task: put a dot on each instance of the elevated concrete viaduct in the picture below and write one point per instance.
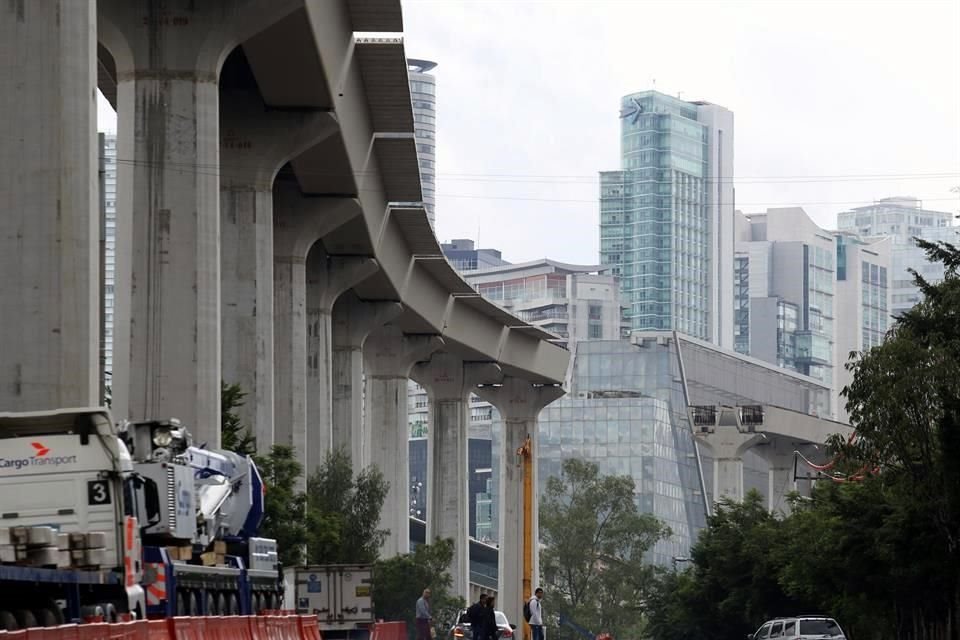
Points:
(270, 232)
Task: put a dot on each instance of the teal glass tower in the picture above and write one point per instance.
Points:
(666, 217)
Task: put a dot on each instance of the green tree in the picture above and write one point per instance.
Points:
(284, 507)
(234, 435)
(904, 401)
(343, 512)
(400, 580)
(595, 540)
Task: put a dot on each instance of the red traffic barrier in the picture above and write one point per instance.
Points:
(309, 628)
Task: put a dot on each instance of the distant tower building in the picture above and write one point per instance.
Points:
(903, 219)
(666, 217)
(108, 151)
(423, 92)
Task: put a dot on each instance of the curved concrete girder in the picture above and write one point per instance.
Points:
(331, 25)
(254, 144)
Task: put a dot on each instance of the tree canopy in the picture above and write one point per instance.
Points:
(343, 512)
(595, 540)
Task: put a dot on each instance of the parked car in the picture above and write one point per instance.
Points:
(799, 628)
(461, 628)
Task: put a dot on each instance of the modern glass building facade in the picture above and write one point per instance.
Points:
(423, 94)
(666, 217)
(626, 412)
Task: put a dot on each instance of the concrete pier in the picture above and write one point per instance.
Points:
(49, 231)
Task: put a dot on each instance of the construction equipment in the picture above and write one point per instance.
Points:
(102, 520)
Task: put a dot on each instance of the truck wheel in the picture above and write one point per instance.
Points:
(45, 617)
(25, 618)
(110, 613)
(8, 622)
(233, 605)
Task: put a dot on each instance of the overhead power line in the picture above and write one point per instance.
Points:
(228, 170)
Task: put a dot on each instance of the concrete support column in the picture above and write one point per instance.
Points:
(49, 231)
(388, 355)
(327, 278)
(254, 144)
(519, 404)
(727, 445)
(449, 382)
(168, 57)
(299, 222)
(353, 320)
(167, 342)
(779, 455)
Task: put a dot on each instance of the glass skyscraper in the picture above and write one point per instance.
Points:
(666, 217)
(423, 96)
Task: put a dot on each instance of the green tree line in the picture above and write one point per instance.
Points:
(877, 545)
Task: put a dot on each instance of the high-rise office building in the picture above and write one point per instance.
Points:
(423, 94)
(902, 219)
(108, 153)
(666, 217)
(805, 297)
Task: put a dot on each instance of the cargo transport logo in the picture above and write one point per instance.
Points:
(40, 449)
(39, 458)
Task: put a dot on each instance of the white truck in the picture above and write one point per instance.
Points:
(340, 595)
(98, 519)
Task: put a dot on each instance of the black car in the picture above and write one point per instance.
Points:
(461, 629)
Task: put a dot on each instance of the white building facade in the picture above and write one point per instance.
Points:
(902, 219)
(805, 297)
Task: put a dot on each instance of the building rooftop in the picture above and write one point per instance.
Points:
(420, 66)
(562, 267)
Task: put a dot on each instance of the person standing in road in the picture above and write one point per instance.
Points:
(424, 617)
(536, 614)
(476, 616)
(490, 631)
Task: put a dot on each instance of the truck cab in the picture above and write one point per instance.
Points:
(67, 483)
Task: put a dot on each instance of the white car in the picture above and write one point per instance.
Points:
(800, 628)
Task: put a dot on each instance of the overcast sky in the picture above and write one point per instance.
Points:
(835, 103)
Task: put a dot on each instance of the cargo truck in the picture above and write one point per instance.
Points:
(98, 519)
(340, 595)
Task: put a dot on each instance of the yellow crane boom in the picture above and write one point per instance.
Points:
(525, 455)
